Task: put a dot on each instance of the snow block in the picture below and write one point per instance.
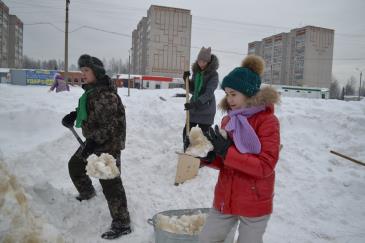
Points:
(102, 167)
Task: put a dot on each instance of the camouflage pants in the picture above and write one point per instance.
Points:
(113, 189)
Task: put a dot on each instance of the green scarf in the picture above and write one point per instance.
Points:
(198, 83)
(82, 108)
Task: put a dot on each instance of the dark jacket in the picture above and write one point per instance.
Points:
(106, 123)
(204, 113)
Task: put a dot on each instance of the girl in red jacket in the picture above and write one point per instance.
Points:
(246, 159)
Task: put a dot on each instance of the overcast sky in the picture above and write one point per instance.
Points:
(227, 26)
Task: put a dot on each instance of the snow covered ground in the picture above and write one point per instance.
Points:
(319, 197)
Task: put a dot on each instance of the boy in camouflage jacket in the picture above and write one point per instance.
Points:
(101, 116)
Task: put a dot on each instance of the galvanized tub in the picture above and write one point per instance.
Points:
(162, 236)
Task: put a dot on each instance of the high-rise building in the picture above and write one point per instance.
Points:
(4, 35)
(254, 48)
(161, 43)
(302, 57)
(273, 50)
(139, 47)
(15, 42)
(11, 39)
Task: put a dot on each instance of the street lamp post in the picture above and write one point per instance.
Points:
(129, 71)
(360, 85)
(360, 81)
(66, 43)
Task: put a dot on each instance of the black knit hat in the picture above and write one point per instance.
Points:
(94, 63)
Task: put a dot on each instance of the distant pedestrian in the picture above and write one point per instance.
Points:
(59, 84)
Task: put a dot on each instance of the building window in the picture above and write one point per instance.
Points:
(158, 86)
(174, 85)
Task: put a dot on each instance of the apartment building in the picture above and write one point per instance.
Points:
(15, 52)
(4, 35)
(11, 39)
(162, 41)
(302, 57)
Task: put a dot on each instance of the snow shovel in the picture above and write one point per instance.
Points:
(187, 165)
(77, 137)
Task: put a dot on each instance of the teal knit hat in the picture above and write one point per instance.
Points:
(246, 79)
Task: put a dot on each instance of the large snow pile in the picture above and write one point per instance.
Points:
(18, 224)
(319, 197)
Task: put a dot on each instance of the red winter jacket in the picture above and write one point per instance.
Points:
(245, 184)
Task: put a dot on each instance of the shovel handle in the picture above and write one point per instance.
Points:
(77, 137)
(187, 89)
(347, 157)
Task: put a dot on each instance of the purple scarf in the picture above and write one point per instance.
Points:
(244, 137)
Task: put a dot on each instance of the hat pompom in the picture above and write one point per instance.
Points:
(254, 63)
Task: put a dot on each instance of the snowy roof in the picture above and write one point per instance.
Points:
(4, 70)
(148, 77)
(125, 76)
(300, 87)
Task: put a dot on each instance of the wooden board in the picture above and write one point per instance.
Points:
(187, 168)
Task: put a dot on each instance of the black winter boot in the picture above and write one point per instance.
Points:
(114, 232)
(87, 196)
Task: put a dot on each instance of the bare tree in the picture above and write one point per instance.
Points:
(350, 86)
(30, 63)
(342, 96)
(61, 64)
(51, 64)
(334, 89)
(112, 66)
(73, 67)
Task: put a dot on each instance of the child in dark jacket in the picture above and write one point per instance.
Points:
(246, 159)
(204, 81)
(101, 116)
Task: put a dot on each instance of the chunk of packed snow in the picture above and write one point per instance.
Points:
(102, 167)
(185, 224)
(199, 144)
